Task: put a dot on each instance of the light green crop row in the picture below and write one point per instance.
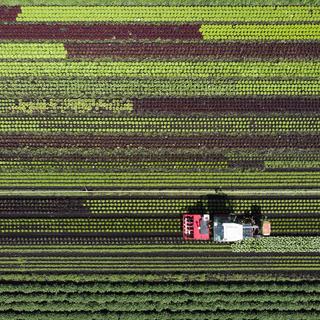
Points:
(158, 125)
(141, 88)
(161, 299)
(278, 244)
(167, 13)
(175, 207)
(35, 51)
(132, 207)
(292, 164)
(148, 306)
(163, 180)
(216, 263)
(159, 2)
(92, 225)
(66, 106)
(155, 284)
(275, 206)
(112, 166)
(161, 69)
(260, 32)
(214, 315)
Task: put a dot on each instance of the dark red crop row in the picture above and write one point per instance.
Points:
(115, 141)
(9, 13)
(90, 157)
(99, 31)
(227, 104)
(232, 50)
(41, 206)
(89, 240)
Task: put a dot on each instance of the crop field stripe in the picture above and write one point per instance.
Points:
(162, 106)
(169, 180)
(197, 51)
(153, 309)
(238, 278)
(92, 225)
(242, 288)
(302, 141)
(162, 69)
(218, 155)
(222, 32)
(227, 104)
(243, 291)
(159, 297)
(146, 88)
(260, 32)
(161, 315)
(278, 244)
(195, 3)
(161, 125)
(58, 166)
(167, 14)
(102, 31)
(34, 51)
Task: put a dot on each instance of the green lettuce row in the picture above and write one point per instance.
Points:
(290, 226)
(276, 206)
(166, 13)
(109, 166)
(129, 88)
(278, 244)
(58, 282)
(292, 164)
(34, 51)
(177, 206)
(161, 69)
(161, 125)
(140, 299)
(150, 207)
(150, 288)
(260, 32)
(95, 107)
(65, 315)
(145, 166)
(126, 262)
(163, 180)
(200, 306)
(210, 247)
(85, 225)
(159, 2)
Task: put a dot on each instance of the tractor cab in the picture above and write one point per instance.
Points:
(196, 227)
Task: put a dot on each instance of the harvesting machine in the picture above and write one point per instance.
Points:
(223, 228)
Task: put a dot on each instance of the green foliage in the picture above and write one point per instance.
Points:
(278, 244)
(261, 32)
(143, 88)
(162, 69)
(158, 2)
(35, 51)
(171, 180)
(161, 125)
(167, 14)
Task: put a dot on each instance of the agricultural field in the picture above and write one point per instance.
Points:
(118, 117)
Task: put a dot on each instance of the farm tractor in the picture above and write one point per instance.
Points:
(223, 227)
